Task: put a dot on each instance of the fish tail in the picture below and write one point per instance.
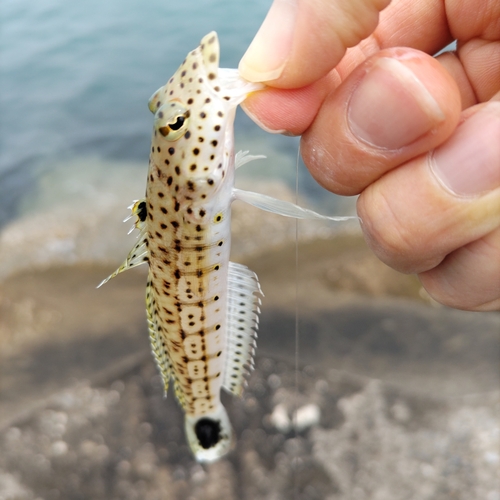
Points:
(210, 436)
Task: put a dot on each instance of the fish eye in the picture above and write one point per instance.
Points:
(172, 120)
(179, 122)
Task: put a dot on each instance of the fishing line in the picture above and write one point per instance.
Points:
(297, 333)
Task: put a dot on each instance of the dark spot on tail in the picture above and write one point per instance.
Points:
(208, 432)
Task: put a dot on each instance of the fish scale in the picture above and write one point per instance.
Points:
(202, 309)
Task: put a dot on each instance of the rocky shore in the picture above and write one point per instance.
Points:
(394, 398)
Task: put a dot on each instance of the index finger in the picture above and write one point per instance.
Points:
(289, 48)
(301, 41)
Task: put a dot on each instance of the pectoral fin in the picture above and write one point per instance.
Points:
(281, 207)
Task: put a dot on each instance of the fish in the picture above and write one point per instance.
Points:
(202, 309)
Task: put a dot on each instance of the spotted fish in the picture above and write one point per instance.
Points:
(202, 309)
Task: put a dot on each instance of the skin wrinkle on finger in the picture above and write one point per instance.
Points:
(481, 63)
(451, 62)
(390, 237)
(422, 25)
(412, 230)
(466, 21)
(475, 264)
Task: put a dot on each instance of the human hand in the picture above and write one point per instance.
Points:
(418, 138)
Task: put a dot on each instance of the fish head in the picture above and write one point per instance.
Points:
(192, 149)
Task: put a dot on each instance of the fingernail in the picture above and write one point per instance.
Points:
(469, 162)
(391, 108)
(266, 57)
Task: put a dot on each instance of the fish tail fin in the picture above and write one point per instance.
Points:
(210, 436)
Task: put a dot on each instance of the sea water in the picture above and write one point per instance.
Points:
(75, 78)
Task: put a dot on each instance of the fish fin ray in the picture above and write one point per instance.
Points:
(135, 258)
(243, 157)
(243, 303)
(156, 339)
(281, 207)
(139, 251)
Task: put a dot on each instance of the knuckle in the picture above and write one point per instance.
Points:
(391, 236)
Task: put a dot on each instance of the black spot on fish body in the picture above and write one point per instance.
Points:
(171, 150)
(142, 211)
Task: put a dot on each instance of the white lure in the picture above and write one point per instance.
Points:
(202, 309)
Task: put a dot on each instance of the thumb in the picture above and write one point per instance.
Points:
(290, 46)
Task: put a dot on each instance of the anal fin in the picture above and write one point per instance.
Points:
(243, 303)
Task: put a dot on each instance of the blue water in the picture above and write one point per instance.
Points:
(75, 78)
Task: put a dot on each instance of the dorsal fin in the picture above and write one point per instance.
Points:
(242, 322)
(156, 338)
